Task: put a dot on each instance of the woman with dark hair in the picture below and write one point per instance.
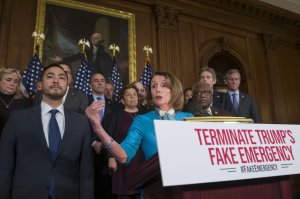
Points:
(117, 126)
(10, 97)
(167, 97)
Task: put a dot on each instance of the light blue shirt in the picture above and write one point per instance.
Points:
(95, 99)
(141, 132)
(237, 96)
(60, 118)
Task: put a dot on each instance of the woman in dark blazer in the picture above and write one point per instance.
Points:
(117, 125)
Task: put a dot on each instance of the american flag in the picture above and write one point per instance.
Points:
(117, 81)
(83, 77)
(31, 75)
(146, 75)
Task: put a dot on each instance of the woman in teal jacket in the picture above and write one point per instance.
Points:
(168, 100)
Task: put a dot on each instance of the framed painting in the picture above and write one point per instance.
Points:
(65, 22)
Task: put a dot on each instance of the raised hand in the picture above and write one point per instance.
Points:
(92, 112)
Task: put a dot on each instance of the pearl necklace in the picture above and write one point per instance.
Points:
(7, 105)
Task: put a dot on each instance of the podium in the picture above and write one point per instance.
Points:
(148, 178)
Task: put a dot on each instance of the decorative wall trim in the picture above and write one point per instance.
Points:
(225, 43)
(166, 18)
(260, 9)
(270, 41)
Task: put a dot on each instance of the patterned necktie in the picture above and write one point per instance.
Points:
(235, 103)
(54, 142)
(101, 112)
(165, 115)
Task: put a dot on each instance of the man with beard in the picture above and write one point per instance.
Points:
(73, 100)
(45, 151)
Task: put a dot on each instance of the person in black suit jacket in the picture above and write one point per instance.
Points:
(208, 76)
(203, 95)
(98, 59)
(102, 172)
(73, 100)
(31, 165)
(246, 105)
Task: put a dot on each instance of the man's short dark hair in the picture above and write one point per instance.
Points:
(51, 66)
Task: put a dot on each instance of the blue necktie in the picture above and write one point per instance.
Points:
(101, 112)
(54, 134)
(54, 142)
(235, 103)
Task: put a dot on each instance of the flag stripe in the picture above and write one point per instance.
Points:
(31, 75)
(116, 80)
(83, 77)
(146, 75)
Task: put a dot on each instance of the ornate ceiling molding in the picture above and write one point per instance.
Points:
(259, 9)
(251, 8)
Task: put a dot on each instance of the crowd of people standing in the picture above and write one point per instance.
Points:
(50, 149)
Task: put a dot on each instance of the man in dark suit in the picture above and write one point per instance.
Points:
(203, 96)
(45, 151)
(98, 59)
(102, 173)
(73, 100)
(239, 103)
(208, 76)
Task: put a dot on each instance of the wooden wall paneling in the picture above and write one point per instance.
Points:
(168, 40)
(187, 54)
(214, 41)
(270, 42)
(20, 48)
(5, 18)
(261, 79)
(289, 62)
(144, 36)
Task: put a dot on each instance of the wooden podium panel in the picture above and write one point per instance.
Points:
(149, 178)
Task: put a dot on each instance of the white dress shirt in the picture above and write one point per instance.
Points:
(46, 115)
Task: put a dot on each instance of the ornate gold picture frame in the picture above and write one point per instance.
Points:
(65, 22)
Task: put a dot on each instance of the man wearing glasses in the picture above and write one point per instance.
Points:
(203, 96)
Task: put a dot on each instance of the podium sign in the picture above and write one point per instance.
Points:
(202, 152)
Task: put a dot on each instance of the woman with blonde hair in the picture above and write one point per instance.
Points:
(10, 98)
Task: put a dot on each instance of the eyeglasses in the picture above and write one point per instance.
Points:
(202, 93)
